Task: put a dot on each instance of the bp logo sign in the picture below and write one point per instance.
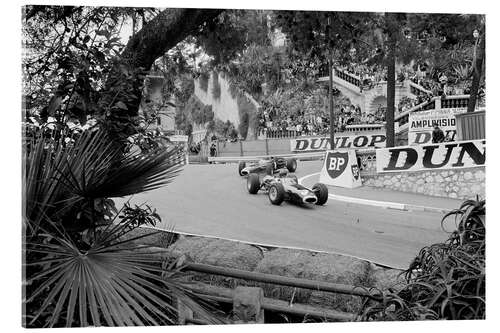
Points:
(340, 168)
(336, 163)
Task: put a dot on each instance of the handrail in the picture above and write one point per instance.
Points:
(286, 281)
(418, 87)
(415, 108)
(225, 295)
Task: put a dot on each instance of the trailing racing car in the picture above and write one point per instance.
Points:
(269, 166)
(283, 187)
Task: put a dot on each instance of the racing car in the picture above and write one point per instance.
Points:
(269, 166)
(283, 187)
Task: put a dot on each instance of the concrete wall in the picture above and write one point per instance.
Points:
(462, 183)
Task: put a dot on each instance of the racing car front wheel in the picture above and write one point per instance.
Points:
(276, 194)
(253, 183)
(291, 164)
(321, 192)
(241, 166)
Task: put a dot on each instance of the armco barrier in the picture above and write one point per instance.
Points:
(236, 159)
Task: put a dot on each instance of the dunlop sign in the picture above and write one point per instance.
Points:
(341, 142)
(451, 155)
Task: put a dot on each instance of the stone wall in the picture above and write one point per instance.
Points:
(458, 184)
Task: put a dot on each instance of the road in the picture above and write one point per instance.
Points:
(212, 200)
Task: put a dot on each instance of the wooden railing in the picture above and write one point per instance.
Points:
(249, 303)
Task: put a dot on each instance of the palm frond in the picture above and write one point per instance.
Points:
(110, 284)
(57, 178)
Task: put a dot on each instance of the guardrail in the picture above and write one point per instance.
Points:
(236, 159)
(249, 303)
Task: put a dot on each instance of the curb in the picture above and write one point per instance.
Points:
(383, 204)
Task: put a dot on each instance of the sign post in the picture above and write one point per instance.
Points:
(341, 169)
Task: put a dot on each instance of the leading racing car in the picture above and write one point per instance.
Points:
(283, 187)
(269, 166)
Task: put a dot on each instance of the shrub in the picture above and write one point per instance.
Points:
(77, 269)
(446, 280)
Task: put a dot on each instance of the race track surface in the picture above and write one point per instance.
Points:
(212, 200)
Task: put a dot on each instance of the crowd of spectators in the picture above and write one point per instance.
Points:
(319, 124)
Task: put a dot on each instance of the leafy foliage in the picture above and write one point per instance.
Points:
(79, 267)
(113, 282)
(71, 51)
(232, 32)
(446, 280)
(63, 183)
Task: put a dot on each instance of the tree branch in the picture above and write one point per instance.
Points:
(158, 36)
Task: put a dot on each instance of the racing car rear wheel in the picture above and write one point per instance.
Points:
(321, 192)
(291, 164)
(241, 166)
(253, 183)
(276, 194)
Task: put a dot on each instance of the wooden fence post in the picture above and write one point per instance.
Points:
(247, 305)
(267, 147)
(183, 313)
(241, 148)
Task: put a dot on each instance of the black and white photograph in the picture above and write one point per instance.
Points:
(222, 165)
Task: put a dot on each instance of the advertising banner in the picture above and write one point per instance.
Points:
(422, 123)
(446, 155)
(342, 141)
(340, 169)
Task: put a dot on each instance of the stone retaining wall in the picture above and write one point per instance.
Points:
(457, 184)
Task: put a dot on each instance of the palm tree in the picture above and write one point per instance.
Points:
(80, 267)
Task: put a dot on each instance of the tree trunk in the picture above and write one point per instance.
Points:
(330, 101)
(476, 74)
(159, 35)
(391, 94)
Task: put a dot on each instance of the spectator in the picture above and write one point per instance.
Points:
(437, 135)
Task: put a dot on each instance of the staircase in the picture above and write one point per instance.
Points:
(369, 98)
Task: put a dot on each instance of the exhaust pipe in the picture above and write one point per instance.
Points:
(310, 199)
(245, 172)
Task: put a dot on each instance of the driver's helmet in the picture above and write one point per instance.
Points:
(267, 179)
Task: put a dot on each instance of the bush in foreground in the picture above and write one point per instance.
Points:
(446, 280)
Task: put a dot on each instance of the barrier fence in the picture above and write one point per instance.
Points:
(249, 303)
